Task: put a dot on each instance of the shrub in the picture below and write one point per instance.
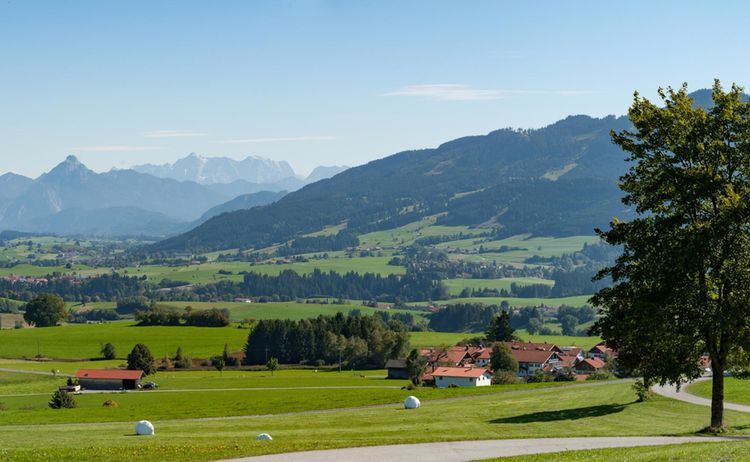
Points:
(539, 376)
(642, 390)
(505, 378)
(61, 399)
(108, 351)
(601, 374)
(110, 403)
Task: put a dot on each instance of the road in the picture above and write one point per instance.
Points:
(461, 451)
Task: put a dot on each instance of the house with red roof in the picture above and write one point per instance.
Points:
(588, 366)
(461, 377)
(109, 379)
(601, 351)
(532, 357)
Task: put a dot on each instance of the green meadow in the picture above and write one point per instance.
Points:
(735, 390)
(455, 286)
(575, 410)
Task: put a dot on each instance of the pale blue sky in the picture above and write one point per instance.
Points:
(332, 82)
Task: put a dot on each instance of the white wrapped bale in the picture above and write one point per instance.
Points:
(412, 402)
(263, 437)
(144, 428)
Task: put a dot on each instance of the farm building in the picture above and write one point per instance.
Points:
(12, 321)
(589, 365)
(397, 369)
(461, 377)
(109, 379)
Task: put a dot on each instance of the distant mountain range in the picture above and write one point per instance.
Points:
(223, 170)
(72, 199)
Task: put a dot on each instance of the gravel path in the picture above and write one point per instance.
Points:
(670, 391)
(461, 451)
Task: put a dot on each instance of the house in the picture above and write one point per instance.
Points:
(452, 357)
(397, 369)
(601, 351)
(483, 358)
(109, 379)
(461, 377)
(588, 366)
(532, 357)
(570, 356)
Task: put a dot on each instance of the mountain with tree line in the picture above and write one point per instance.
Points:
(557, 180)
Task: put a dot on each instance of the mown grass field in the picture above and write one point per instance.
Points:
(407, 234)
(607, 409)
(455, 286)
(85, 340)
(578, 300)
(272, 310)
(436, 339)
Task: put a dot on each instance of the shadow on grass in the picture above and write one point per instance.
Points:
(564, 414)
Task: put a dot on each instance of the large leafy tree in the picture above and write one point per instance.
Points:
(682, 285)
(45, 310)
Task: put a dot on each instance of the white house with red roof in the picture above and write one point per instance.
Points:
(532, 357)
(461, 377)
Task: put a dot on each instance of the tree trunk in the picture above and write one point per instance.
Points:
(717, 399)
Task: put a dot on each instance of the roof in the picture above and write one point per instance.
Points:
(396, 364)
(453, 355)
(601, 348)
(595, 363)
(532, 346)
(459, 372)
(532, 356)
(109, 374)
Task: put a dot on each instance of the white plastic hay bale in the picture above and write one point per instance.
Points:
(263, 437)
(144, 428)
(412, 402)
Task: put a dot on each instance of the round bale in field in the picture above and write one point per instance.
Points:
(412, 402)
(263, 437)
(144, 428)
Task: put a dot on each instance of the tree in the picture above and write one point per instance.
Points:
(502, 359)
(682, 284)
(108, 351)
(416, 365)
(140, 358)
(500, 329)
(45, 310)
(61, 399)
(218, 363)
(272, 364)
(534, 326)
(568, 323)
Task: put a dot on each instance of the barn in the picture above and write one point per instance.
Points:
(109, 379)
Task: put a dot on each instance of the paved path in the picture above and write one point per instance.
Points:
(461, 451)
(670, 391)
(21, 371)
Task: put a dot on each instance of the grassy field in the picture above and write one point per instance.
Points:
(272, 310)
(576, 411)
(578, 300)
(84, 340)
(436, 339)
(725, 452)
(455, 286)
(735, 390)
(407, 234)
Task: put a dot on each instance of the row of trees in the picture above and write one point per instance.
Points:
(157, 315)
(355, 340)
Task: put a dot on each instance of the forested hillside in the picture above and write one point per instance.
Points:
(558, 180)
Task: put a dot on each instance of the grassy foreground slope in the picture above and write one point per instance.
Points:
(725, 452)
(608, 409)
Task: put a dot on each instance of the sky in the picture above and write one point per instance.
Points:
(332, 82)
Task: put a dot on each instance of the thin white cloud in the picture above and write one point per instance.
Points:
(278, 140)
(172, 134)
(115, 148)
(457, 92)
